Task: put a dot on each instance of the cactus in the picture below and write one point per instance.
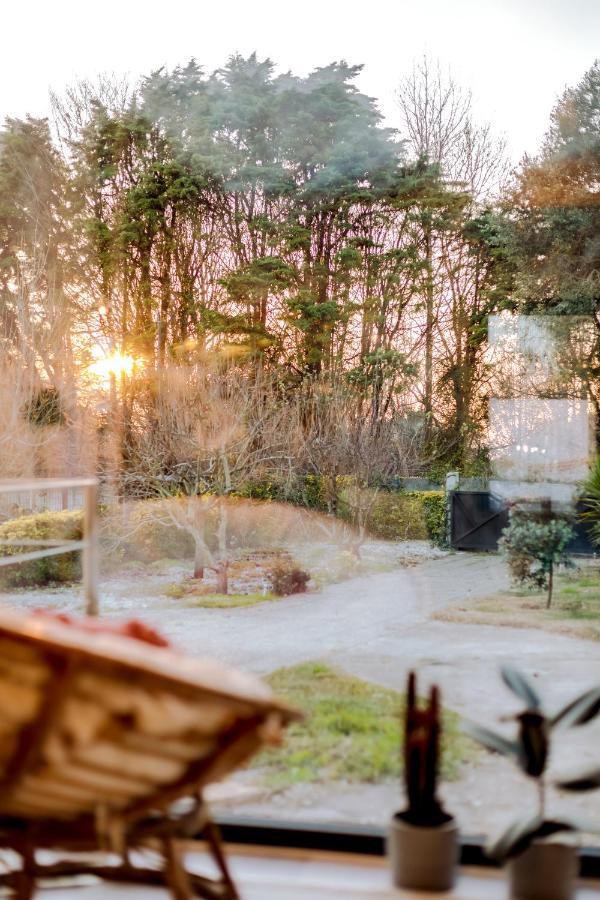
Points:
(421, 758)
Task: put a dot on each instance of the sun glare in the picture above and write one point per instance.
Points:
(115, 364)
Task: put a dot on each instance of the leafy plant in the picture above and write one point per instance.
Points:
(535, 545)
(421, 759)
(530, 750)
(435, 511)
(591, 499)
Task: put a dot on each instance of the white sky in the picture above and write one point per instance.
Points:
(516, 55)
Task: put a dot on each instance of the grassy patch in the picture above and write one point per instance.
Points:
(223, 601)
(575, 607)
(351, 733)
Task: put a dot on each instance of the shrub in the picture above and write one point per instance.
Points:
(534, 545)
(260, 489)
(287, 580)
(409, 515)
(398, 516)
(44, 526)
(591, 498)
(316, 492)
(435, 511)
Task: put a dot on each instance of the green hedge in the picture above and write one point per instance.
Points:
(394, 516)
(397, 516)
(42, 526)
(435, 511)
(409, 516)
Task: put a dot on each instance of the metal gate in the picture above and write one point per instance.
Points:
(478, 518)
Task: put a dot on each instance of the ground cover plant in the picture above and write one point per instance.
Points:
(222, 601)
(352, 731)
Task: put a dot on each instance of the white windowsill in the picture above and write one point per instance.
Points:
(268, 874)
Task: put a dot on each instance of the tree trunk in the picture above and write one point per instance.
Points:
(202, 555)
(550, 586)
(222, 567)
(199, 558)
(429, 325)
(222, 570)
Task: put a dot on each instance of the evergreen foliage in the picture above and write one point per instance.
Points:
(535, 545)
(591, 497)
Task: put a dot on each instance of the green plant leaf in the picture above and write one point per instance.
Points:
(579, 711)
(533, 743)
(587, 780)
(514, 840)
(497, 743)
(520, 685)
(518, 836)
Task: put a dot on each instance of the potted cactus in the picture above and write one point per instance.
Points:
(423, 839)
(540, 868)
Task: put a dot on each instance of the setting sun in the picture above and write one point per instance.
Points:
(115, 364)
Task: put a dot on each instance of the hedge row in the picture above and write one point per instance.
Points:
(41, 526)
(394, 515)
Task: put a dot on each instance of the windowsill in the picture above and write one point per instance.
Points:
(266, 873)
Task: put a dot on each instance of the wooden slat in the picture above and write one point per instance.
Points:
(31, 737)
(101, 782)
(109, 757)
(153, 668)
(239, 743)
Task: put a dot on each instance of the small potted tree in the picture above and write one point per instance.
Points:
(540, 868)
(423, 839)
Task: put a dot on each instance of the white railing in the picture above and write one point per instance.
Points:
(88, 545)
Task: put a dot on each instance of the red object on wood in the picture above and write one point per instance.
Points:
(133, 629)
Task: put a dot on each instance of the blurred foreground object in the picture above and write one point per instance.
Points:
(101, 734)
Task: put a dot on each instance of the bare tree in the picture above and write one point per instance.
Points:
(73, 107)
(217, 429)
(438, 117)
(335, 441)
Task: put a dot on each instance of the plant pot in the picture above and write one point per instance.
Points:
(545, 871)
(423, 858)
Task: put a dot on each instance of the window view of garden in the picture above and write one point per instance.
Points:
(338, 377)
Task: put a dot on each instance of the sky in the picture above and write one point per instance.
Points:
(516, 56)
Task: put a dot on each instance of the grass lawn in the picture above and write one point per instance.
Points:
(575, 606)
(351, 733)
(218, 601)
